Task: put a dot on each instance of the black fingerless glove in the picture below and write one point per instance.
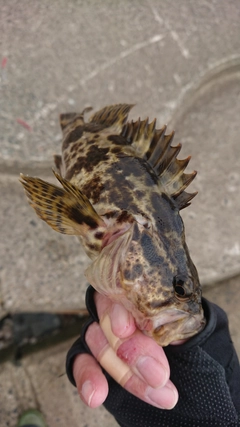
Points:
(205, 371)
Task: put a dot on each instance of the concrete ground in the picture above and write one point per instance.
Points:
(179, 62)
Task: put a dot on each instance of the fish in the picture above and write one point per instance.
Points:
(122, 190)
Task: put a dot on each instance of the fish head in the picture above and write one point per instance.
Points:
(149, 270)
(160, 278)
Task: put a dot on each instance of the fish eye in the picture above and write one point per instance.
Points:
(178, 285)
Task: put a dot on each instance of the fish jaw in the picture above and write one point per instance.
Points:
(175, 325)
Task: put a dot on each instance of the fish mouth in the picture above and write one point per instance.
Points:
(175, 331)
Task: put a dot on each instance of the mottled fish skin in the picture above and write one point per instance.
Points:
(123, 188)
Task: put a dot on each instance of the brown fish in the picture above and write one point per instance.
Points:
(123, 188)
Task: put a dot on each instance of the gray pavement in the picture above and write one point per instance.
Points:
(179, 62)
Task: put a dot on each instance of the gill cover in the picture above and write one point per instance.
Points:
(104, 272)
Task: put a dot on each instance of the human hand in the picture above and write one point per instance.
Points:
(136, 361)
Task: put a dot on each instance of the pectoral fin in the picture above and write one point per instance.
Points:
(66, 209)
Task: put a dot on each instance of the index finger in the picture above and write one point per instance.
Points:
(141, 353)
(122, 322)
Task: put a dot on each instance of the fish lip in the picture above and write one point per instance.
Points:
(180, 316)
(173, 332)
(188, 335)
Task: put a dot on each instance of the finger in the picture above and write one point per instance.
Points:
(141, 353)
(165, 397)
(133, 356)
(145, 358)
(105, 354)
(153, 365)
(91, 383)
(122, 322)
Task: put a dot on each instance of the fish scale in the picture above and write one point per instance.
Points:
(122, 191)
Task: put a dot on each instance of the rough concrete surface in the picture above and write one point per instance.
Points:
(179, 62)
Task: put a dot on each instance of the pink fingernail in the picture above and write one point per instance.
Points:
(164, 398)
(120, 320)
(87, 392)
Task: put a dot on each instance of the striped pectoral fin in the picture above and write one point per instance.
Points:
(66, 209)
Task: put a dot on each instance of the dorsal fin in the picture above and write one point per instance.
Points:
(139, 134)
(155, 147)
(67, 118)
(151, 144)
(112, 116)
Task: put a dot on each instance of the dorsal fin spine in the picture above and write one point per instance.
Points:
(66, 119)
(183, 199)
(167, 158)
(164, 143)
(113, 115)
(153, 145)
(176, 169)
(157, 146)
(136, 127)
(186, 179)
(141, 133)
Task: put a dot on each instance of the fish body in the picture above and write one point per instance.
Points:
(123, 188)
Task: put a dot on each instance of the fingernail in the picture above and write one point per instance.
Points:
(153, 372)
(120, 319)
(87, 392)
(164, 398)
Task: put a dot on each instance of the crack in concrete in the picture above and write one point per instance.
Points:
(122, 55)
(184, 51)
